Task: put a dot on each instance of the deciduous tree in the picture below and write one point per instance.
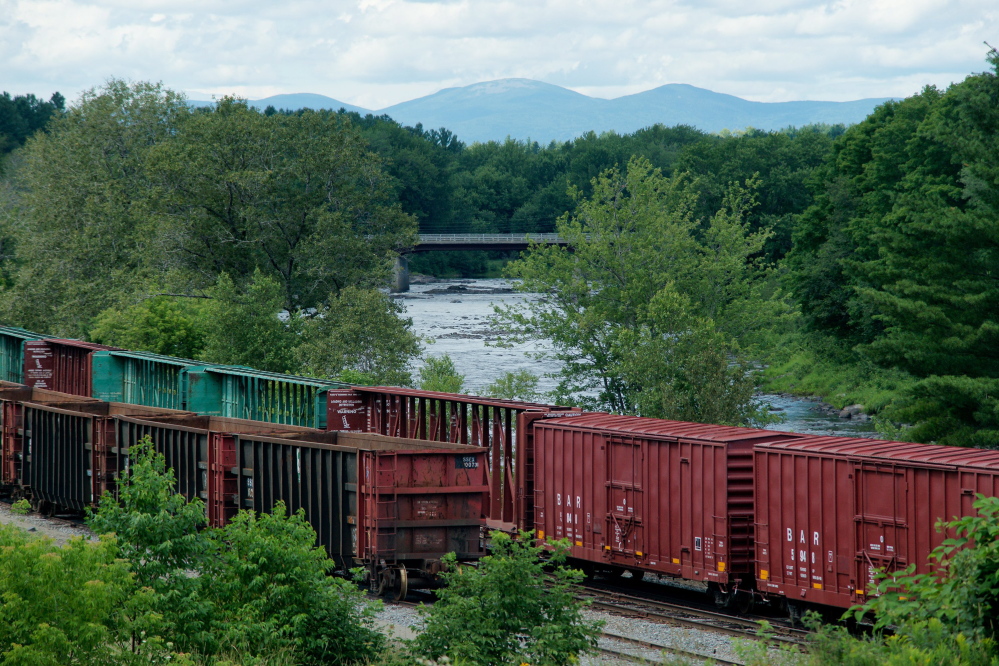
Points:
(636, 236)
(80, 220)
(360, 336)
(297, 196)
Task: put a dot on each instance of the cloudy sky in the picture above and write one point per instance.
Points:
(374, 53)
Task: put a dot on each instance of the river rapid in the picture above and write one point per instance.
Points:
(453, 317)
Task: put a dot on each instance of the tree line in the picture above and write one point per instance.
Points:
(854, 263)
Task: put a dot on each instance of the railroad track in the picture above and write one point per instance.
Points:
(638, 644)
(634, 643)
(678, 614)
(668, 649)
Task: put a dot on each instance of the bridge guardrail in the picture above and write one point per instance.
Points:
(479, 239)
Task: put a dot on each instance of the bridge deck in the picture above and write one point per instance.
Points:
(432, 242)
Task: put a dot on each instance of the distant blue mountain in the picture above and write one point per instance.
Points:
(293, 102)
(296, 101)
(526, 109)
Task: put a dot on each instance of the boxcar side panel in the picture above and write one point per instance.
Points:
(320, 480)
(185, 451)
(57, 459)
(640, 502)
(417, 506)
(828, 520)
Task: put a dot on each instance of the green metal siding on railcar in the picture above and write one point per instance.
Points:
(141, 378)
(12, 341)
(244, 393)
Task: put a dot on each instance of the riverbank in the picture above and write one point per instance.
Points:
(454, 316)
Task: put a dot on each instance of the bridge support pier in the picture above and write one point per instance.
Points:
(400, 275)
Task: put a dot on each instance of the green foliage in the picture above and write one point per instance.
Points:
(69, 604)
(951, 410)
(268, 584)
(159, 534)
(961, 592)
(816, 364)
(934, 644)
(680, 367)
(253, 592)
(79, 219)
(359, 335)
(242, 326)
(296, 196)
(898, 255)
(508, 608)
(451, 264)
(637, 251)
(783, 162)
(515, 385)
(21, 507)
(439, 374)
(161, 324)
(23, 115)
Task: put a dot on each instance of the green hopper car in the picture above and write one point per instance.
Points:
(141, 378)
(244, 393)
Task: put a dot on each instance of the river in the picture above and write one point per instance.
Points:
(453, 317)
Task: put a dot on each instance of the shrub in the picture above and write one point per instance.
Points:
(508, 608)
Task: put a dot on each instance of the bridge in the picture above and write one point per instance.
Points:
(433, 242)
(438, 242)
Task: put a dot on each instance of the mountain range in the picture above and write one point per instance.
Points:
(542, 112)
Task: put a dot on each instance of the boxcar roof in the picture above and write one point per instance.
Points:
(242, 371)
(150, 356)
(890, 450)
(635, 425)
(23, 334)
(68, 342)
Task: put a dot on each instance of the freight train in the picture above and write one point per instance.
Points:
(391, 478)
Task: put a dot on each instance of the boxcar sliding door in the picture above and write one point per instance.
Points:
(625, 530)
(881, 496)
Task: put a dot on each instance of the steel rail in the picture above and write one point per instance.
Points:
(687, 616)
(669, 649)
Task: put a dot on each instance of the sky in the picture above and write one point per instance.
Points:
(375, 53)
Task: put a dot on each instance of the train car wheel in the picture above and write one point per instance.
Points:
(719, 596)
(402, 585)
(795, 612)
(742, 602)
(384, 581)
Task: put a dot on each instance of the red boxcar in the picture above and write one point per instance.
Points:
(60, 365)
(831, 510)
(493, 424)
(395, 506)
(649, 495)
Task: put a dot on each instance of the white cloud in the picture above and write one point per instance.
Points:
(378, 52)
